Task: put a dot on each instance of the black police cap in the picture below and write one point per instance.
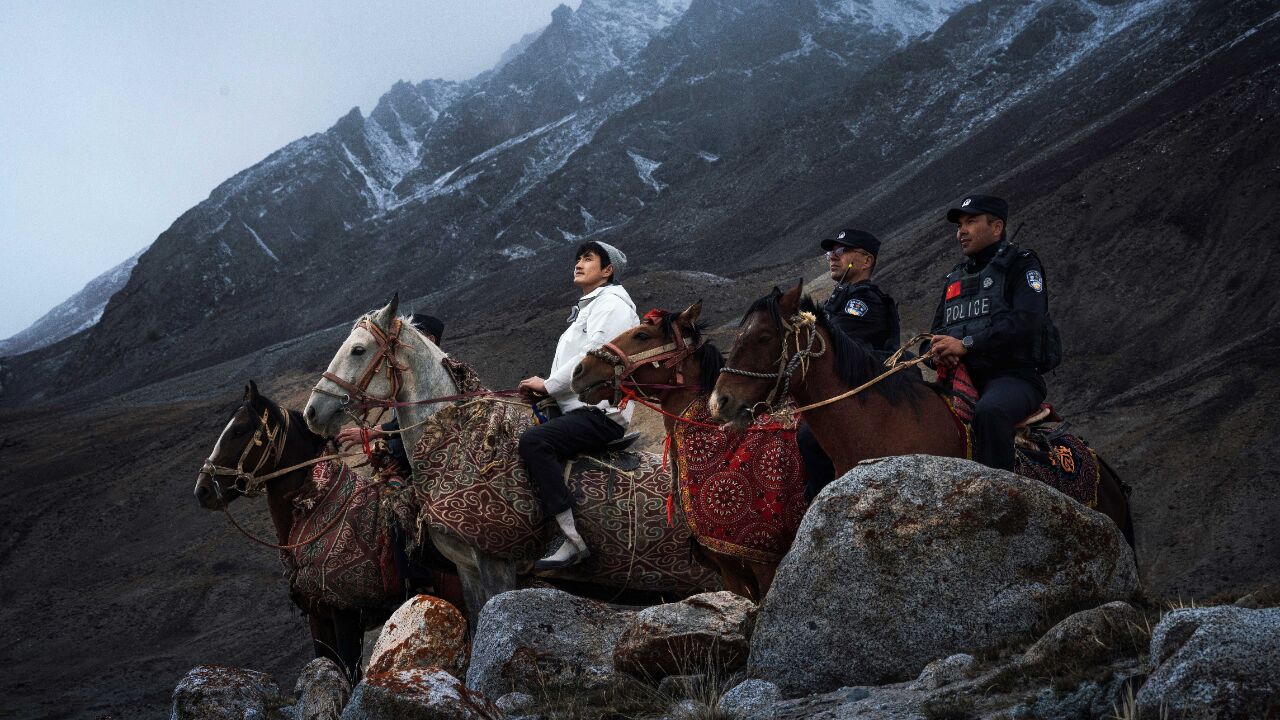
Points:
(429, 325)
(980, 205)
(859, 239)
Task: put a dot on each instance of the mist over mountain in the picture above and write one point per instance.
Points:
(716, 141)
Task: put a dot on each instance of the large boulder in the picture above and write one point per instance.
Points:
(322, 690)
(424, 632)
(213, 692)
(706, 633)
(1218, 662)
(546, 643)
(417, 694)
(908, 559)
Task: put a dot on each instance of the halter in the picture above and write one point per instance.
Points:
(671, 355)
(788, 362)
(247, 483)
(388, 343)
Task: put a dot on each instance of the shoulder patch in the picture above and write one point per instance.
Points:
(1035, 280)
(856, 307)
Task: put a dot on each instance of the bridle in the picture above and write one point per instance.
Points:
(271, 440)
(357, 396)
(670, 355)
(788, 362)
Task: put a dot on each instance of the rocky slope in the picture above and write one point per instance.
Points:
(75, 314)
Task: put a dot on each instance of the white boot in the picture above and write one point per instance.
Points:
(566, 548)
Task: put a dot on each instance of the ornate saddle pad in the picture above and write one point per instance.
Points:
(469, 483)
(741, 493)
(1061, 461)
(352, 563)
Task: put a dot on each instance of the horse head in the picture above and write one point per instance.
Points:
(650, 354)
(251, 444)
(761, 360)
(364, 369)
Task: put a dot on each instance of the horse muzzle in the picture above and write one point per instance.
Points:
(208, 493)
(731, 412)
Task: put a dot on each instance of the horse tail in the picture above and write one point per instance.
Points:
(1126, 528)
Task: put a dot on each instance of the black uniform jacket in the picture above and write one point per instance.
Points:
(862, 312)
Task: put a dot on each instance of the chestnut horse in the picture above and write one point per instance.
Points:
(786, 346)
(260, 439)
(666, 352)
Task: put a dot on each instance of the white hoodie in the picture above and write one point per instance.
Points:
(603, 314)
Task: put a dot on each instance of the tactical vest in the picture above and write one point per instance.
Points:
(974, 300)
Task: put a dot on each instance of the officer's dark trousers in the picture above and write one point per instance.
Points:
(1005, 401)
(817, 466)
(545, 447)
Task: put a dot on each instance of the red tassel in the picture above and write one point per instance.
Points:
(364, 441)
(666, 450)
(671, 507)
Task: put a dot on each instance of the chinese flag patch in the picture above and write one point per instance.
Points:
(953, 290)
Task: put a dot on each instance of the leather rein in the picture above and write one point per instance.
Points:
(357, 393)
(788, 361)
(250, 483)
(670, 355)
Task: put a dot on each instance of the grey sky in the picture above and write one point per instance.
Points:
(117, 116)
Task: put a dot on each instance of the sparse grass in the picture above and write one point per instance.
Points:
(634, 698)
(1128, 708)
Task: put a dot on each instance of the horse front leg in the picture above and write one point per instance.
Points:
(348, 630)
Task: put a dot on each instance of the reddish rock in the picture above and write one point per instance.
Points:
(417, 694)
(425, 632)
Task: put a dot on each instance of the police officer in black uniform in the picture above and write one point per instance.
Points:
(993, 317)
(861, 311)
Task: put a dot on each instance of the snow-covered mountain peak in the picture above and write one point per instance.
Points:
(908, 18)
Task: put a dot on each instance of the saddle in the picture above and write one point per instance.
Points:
(963, 397)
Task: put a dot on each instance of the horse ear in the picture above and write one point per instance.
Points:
(387, 314)
(789, 303)
(252, 391)
(690, 315)
(393, 305)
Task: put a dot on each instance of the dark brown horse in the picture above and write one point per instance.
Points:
(668, 354)
(786, 347)
(260, 439)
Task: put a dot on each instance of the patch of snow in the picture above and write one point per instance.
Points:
(517, 252)
(709, 157)
(261, 244)
(907, 18)
(380, 196)
(645, 168)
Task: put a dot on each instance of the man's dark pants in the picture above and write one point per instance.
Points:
(1005, 401)
(818, 469)
(545, 447)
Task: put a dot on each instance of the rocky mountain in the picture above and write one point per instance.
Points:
(75, 314)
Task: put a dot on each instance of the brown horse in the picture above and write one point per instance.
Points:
(786, 347)
(260, 439)
(668, 354)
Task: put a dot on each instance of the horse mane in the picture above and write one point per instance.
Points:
(277, 415)
(709, 357)
(855, 361)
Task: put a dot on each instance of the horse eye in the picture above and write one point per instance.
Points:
(357, 350)
(642, 336)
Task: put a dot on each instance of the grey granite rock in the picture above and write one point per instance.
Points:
(322, 690)
(213, 692)
(1217, 662)
(546, 643)
(908, 559)
(709, 632)
(417, 694)
(749, 697)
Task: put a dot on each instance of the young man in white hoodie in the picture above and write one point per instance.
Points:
(601, 314)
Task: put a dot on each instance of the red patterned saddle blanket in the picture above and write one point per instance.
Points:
(742, 494)
(470, 483)
(1062, 461)
(351, 564)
